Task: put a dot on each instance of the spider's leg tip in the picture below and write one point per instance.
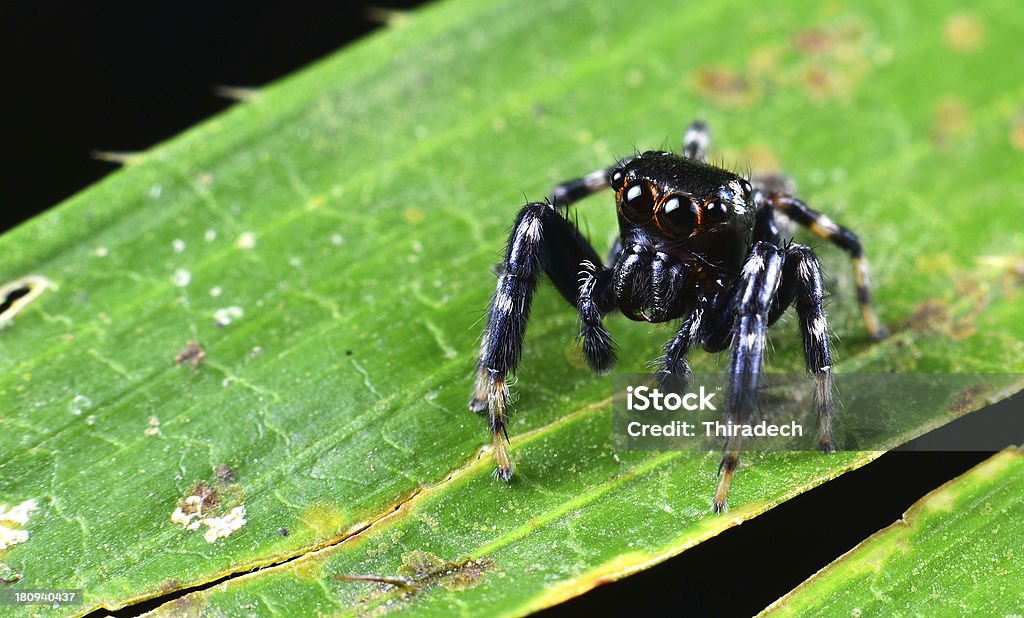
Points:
(881, 334)
(504, 474)
(719, 507)
(828, 447)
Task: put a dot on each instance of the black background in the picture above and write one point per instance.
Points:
(122, 77)
(86, 77)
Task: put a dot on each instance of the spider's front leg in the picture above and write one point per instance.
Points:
(801, 282)
(749, 309)
(542, 239)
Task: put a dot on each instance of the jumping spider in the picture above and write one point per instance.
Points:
(696, 242)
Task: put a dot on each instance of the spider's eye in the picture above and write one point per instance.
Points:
(678, 215)
(637, 203)
(716, 210)
(616, 180)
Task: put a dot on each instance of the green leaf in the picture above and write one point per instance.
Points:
(328, 247)
(955, 551)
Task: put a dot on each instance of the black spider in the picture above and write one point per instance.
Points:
(696, 242)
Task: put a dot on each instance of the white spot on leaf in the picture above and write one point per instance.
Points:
(246, 241)
(181, 278)
(12, 522)
(191, 517)
(221, 527)
(79, 403)
(227, 315)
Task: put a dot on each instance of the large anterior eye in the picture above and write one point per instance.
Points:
(637, 202)
(678, 215)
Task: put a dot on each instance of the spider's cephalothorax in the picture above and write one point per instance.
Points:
(696, 243)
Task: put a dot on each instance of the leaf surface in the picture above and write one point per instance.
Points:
(955, 551)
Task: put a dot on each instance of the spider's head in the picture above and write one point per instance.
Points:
(676, 198)
(691, 212)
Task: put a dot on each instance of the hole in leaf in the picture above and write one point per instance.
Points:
(12, 295)
(16, 295)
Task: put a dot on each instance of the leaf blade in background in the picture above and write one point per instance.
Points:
(952, 552)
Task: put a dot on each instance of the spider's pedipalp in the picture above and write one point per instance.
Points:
(598, 346)
(674, 371)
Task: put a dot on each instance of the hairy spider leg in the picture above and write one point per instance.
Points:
(843, 238)
(673, 371)
(596, 300)
(802, 283)
(541, 239)
(696, 141)
(750, 305)
(565, 193)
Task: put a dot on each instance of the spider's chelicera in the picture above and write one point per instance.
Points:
(696, 243)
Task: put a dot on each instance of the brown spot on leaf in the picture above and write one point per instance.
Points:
(421, 570)
(814, 41)
(967, 400)
(170, 585)
(187, 606)
(203, 498)
(928, 315)
(225, 473)
(820, 83)
(425, 569)
(951, 122)
(963, 33)
(724, 87)
(833, 59)
(958, 320)
(192, 355)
